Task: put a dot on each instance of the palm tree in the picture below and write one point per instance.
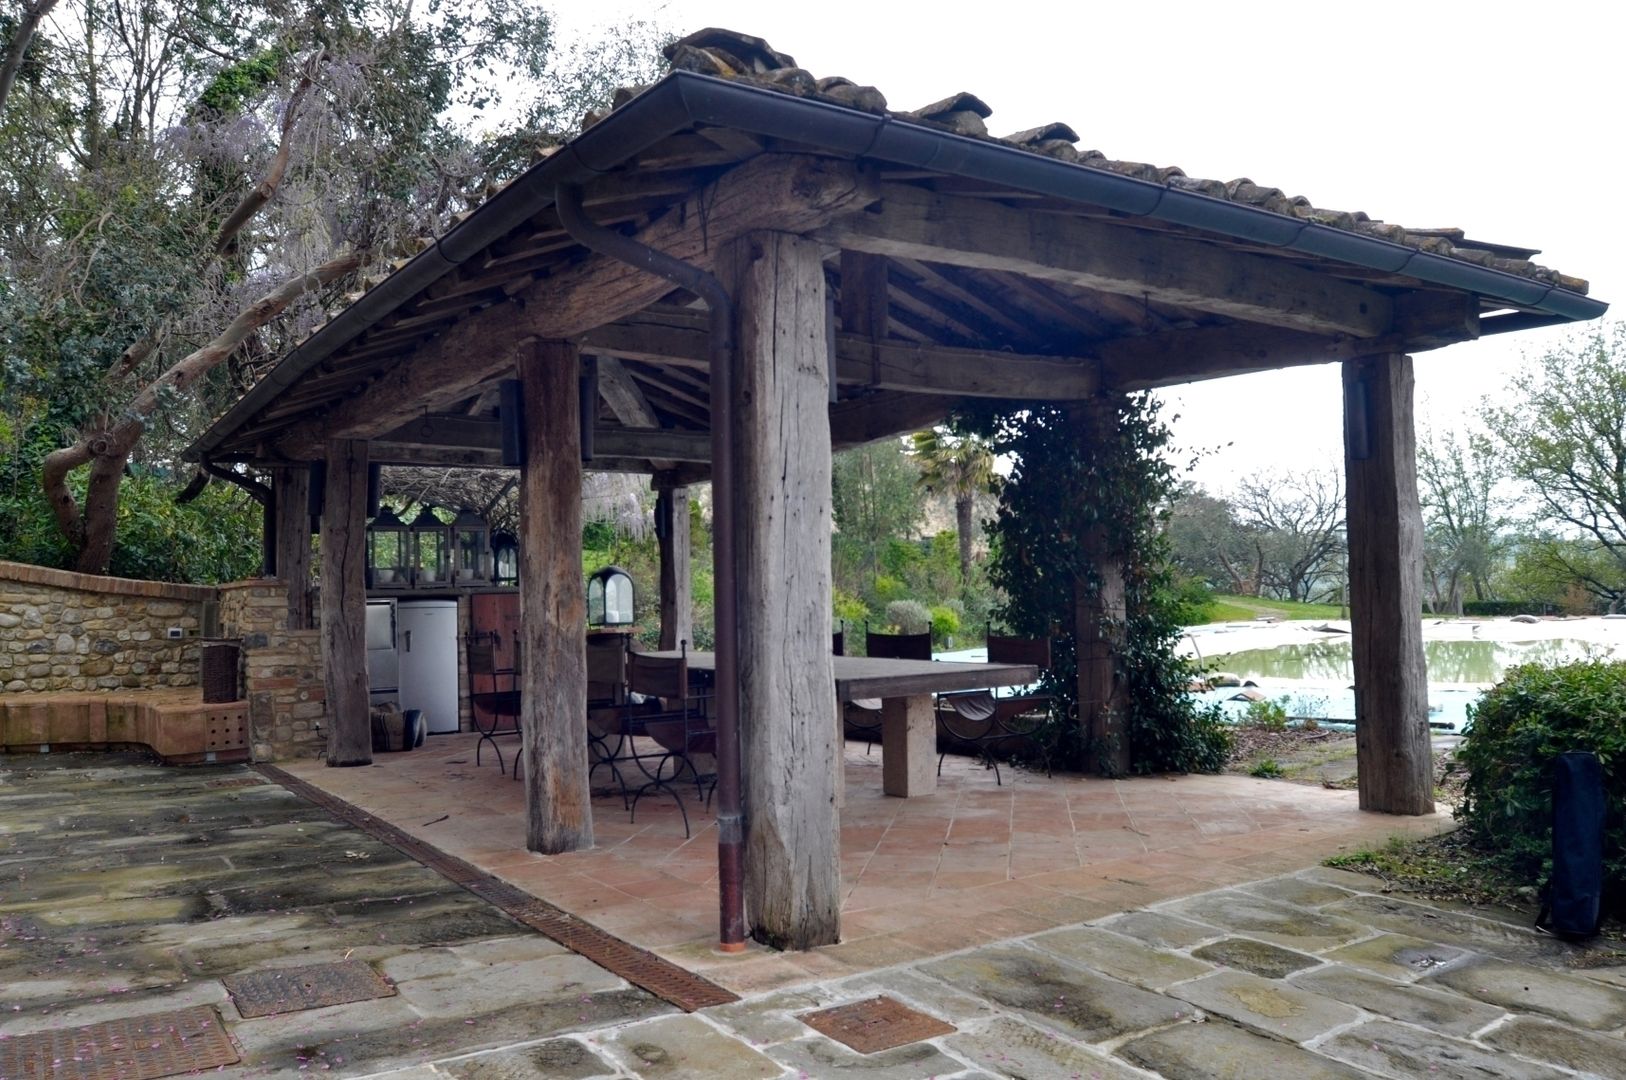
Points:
(961, 466)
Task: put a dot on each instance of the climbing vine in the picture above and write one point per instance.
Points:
(1065, 484)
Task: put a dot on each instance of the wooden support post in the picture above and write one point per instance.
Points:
(783, 514)
(1099, 611)
(292, 496)
(553, 605)
(677, 597)
(1393, 755)
(344, 603)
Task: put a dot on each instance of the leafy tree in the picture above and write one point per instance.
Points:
(188, 189)
(1208, 543)
(1463, 514)
(875, 489)
(1564, 435)
(961, 466)
(1297, 523)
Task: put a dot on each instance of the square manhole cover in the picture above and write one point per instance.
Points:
(131, 1048)
(875, 1024)
(284, 990)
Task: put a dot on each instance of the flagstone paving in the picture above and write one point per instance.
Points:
(127, 889)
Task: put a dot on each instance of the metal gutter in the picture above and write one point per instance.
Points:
(683, 99)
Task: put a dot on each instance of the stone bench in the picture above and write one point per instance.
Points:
(175, 724)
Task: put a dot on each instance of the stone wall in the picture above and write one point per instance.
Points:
(282, 671)
(65, 631)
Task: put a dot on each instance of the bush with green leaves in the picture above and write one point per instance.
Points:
(1266, 713)
(1066, 482)
(945, 623)
(1534, 714)
(908, 617)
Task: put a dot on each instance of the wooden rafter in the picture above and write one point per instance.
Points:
(916, 224)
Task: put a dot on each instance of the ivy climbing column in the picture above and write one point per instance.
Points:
(1099, 608)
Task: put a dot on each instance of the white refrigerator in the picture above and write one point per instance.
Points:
(426, 660)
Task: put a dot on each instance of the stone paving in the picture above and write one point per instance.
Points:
(127, 889)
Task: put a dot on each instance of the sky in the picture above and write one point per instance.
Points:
(1504, 120)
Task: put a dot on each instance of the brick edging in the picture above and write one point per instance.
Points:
(28, 574)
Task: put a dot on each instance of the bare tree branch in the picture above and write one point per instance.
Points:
(91, 529)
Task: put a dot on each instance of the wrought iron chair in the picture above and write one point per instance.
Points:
(985, 723)
(682, 730)
(614, 714)
(864, 718)
(500, 698)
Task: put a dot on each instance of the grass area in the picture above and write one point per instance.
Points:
(1244, 608)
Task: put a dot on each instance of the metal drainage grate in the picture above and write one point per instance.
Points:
(283, 990)
(640, 967)
(132, 1048)
(877, 1023)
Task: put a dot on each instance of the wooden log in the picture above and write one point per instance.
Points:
(677, 595)
(1099, 611)
(553, 605)
(294, 542)
(783, 515)
(912, 223)
(344, 603)
(793, 192)
(1393, 756)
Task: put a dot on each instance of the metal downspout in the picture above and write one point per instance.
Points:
(730, 819)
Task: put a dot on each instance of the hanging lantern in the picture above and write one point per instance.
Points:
(471, 562)
(504, 558)
(431, 550)
(388, 563)
(609, 597)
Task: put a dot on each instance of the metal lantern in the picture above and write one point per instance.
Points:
(504, 558)
(389, 565)
(431, 550)
(609, 597)
(470, 562)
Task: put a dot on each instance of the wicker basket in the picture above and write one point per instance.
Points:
(221, 659)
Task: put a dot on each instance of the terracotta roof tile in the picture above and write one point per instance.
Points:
(731, 55)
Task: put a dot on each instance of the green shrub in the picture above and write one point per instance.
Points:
(1532, 715)
(849, 609)
(887, 589)
(945, 623)
(1267, 769)
(1268, 714)
(908, 616)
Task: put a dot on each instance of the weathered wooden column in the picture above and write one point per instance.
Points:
(1099, 611)
(291, 488)
(344, 603)
(677, 594)
(553, 605)
(1385, 526)
(783, 516)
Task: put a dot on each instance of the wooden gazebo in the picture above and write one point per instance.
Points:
(743, 267)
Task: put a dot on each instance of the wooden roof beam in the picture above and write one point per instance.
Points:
(910, 223)
(475, 433)
(937, 370)
(773, 191)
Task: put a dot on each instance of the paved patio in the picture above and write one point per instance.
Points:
(973, 863)
(127, 890)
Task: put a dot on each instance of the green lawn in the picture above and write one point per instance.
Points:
(1244, 608)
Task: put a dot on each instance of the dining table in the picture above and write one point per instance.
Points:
(906, 689)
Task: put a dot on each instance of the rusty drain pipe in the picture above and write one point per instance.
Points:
(730, 818)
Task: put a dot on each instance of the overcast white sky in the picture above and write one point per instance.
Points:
(1498, 118)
